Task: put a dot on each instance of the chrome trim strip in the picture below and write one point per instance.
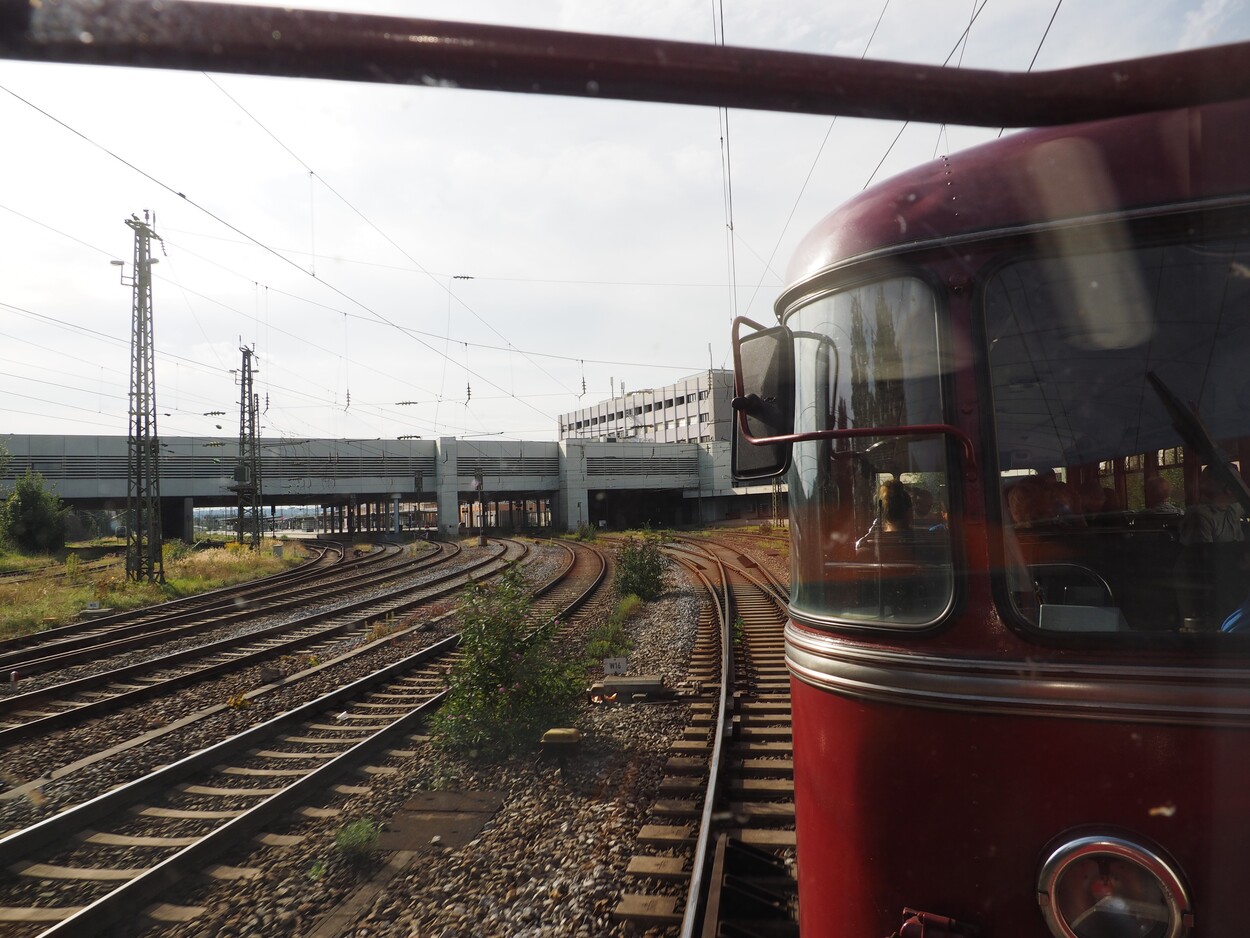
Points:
(1107, 692)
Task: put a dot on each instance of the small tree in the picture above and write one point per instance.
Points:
(640, 567)
(33, 517)
(509, 685)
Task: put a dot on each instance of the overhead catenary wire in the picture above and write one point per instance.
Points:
(1040, 43)
(718, 29)
(958, 43)
(794, 206)
(213, 346)
(161, 355)
(222, 221)
(386, 237)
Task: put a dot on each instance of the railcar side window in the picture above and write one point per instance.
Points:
(1121, 398)
(869, 524)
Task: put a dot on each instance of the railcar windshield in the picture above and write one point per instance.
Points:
(869, 514)
(1121, 403)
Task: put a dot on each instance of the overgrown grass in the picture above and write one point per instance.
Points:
(48, 601)
(358, 839)
(12, 560)
(610, 639)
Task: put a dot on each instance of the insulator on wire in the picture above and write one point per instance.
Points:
(468, 393)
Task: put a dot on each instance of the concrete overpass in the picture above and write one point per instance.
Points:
(361, 484)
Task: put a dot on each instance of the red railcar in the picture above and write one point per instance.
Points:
(1013, 392)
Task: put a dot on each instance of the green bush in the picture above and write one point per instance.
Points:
(640, 567)
(358, 840)
(172, 551)
(508, 685)
(33, 518)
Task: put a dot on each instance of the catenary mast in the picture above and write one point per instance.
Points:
(247, 470)
(143, 491)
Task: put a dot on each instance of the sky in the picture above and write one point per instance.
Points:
(419, 261)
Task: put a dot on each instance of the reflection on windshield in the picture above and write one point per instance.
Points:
(869, 515)
(1121, 462)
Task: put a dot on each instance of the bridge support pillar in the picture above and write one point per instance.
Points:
(447, 489)
(177, 519)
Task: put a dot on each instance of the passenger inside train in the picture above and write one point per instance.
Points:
(1122, 435)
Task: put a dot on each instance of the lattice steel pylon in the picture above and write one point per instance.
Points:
(247, 470)
(143, 467)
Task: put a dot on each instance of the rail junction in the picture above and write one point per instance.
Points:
(207, 743)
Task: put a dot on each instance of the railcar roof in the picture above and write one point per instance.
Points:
(1042, 175)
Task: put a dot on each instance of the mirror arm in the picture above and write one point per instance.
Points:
(761, 408)
(924, 429)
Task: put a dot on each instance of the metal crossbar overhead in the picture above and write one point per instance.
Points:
(143, 492)
(247, 470)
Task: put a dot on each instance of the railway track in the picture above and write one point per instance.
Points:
(72, 701)
(29, 654)
(57, 570)
(64, 873)
(721, 837)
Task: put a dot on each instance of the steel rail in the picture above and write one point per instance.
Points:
(89, 630)
(700, 866)
(271, 600)
(177, 34)
(290, 680)
(596, 580)
(703, 912)
(106, 913)
(379, 606)
(766, 582)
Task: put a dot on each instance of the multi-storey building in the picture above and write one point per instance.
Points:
(693, 410)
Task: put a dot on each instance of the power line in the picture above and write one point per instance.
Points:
(414, 334)
(946, 61)
(368, 221)
(337, 311)
(265, 247)
(1040, 43)
(815, 160)
(487, 278)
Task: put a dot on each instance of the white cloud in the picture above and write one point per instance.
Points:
(1206, 25)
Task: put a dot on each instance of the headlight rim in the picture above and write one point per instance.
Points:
(1073, 847)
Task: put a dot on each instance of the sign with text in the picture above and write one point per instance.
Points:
(615, 665)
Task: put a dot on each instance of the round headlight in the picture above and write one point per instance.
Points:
(1110, 887)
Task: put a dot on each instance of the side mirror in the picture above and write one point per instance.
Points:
(763, 400)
